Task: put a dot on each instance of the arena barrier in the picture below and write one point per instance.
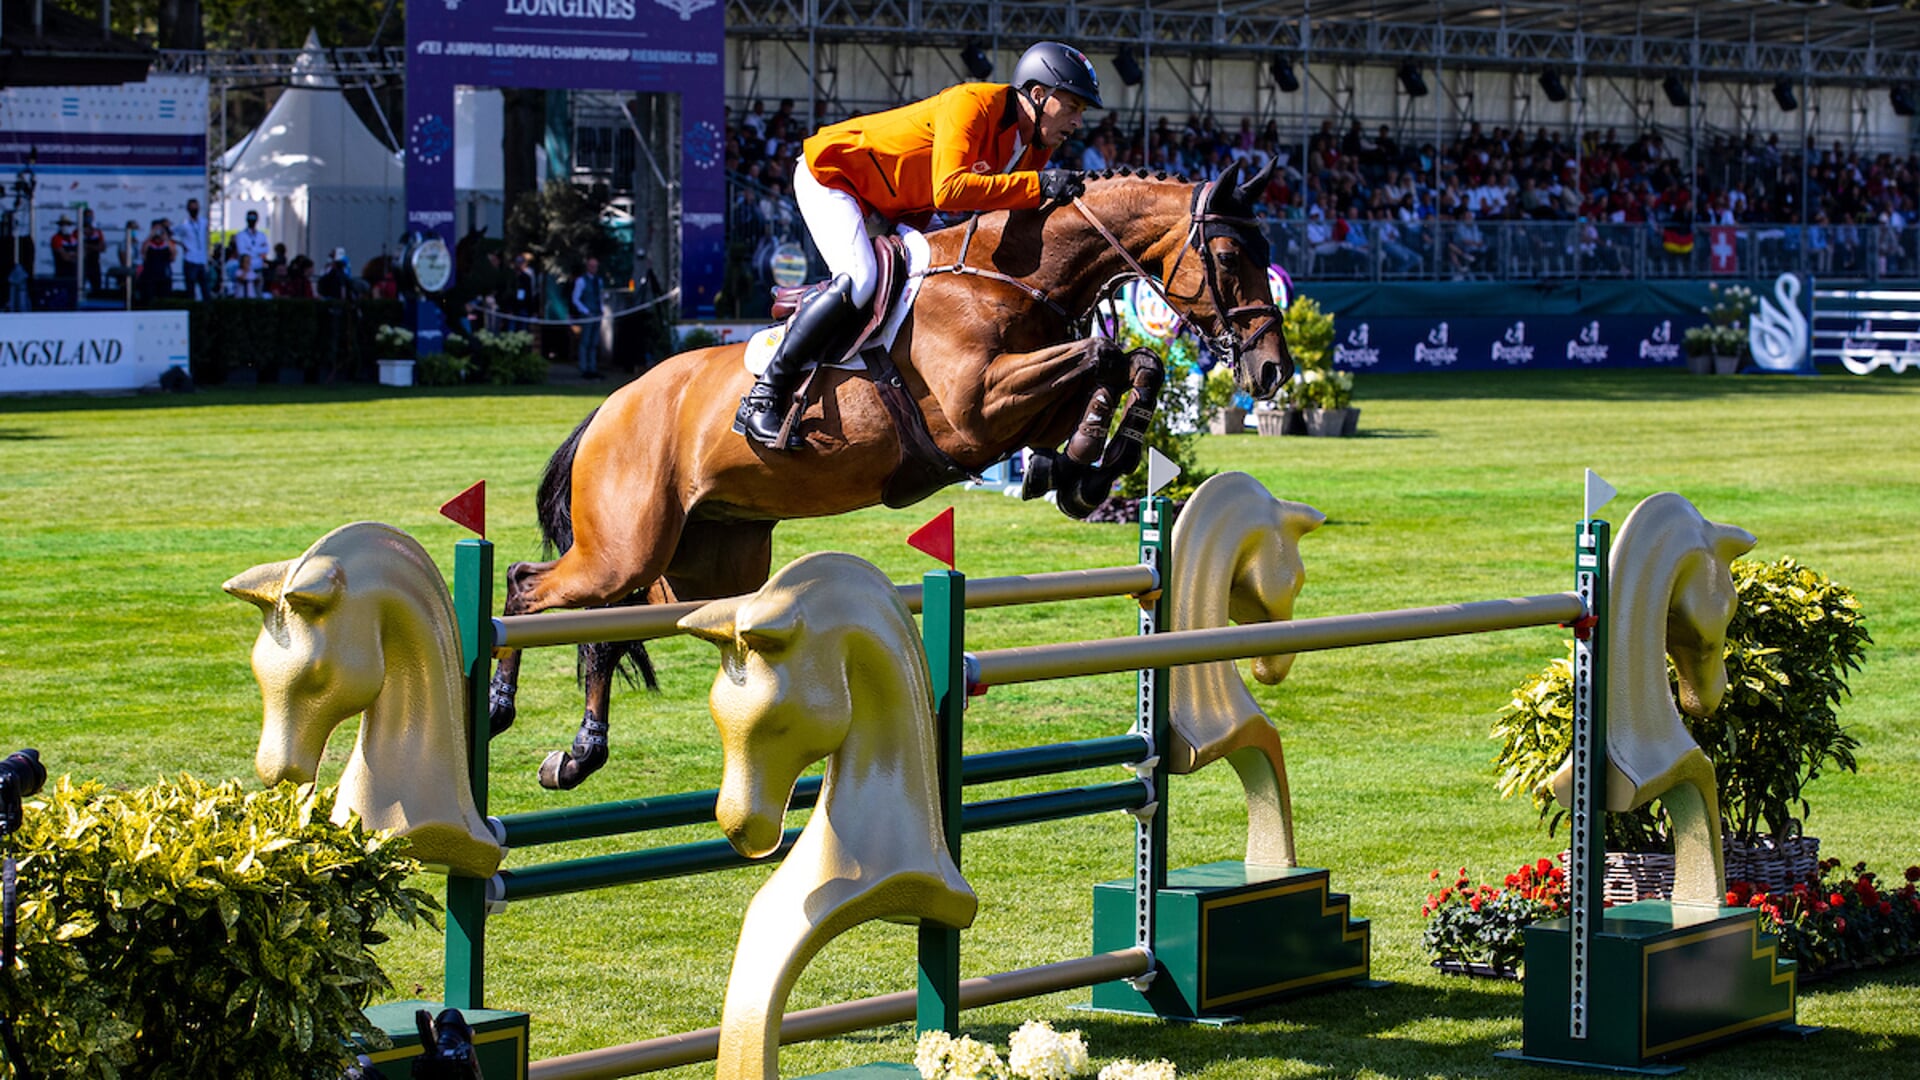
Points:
(1620, 988)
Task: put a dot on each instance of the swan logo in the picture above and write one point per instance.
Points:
(1659, 346)
(1777, 333)
(1587, 347)
(1356, 352)
(1861, 353)
(1435, 349)
(1512, 348)
(686, 8)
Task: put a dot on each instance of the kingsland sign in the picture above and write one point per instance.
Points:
(56, 353)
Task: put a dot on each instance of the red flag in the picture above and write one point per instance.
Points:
(469, 508)
(936, 537)
(1724, 250)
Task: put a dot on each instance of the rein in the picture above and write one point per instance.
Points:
(1206, 225)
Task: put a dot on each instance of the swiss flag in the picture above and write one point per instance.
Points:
(1724, 254)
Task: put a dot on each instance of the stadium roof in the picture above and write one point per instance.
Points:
(1824, 41)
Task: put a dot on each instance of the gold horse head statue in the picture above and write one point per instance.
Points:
(824, 661)
(1236, 558)
(362, 623)
(1670, 593)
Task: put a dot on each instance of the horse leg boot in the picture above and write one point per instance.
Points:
(817, 334)
(1082, 489)
(563, 770)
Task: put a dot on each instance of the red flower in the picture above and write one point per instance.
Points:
(1818, 907)
(1839, 924)
(1435, 876)
(1913, 873)
(1557, 874)
(1733, 898)
(1543, 866)
(1865, 891)
(1836, 900)
(1474, 903)
(1886, 907)
(1513, 881)
(1426, 910)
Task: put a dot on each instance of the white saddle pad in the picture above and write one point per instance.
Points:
(761, 346)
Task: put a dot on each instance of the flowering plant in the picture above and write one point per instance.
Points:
(1034, 1052)
(394, 339)
(940, 1056)
(1127, 1069)
(1315, 389)
(1839, 920)
(1482, 924)
(1726, 333)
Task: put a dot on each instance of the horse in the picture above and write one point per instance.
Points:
(362, 622)
(653, 498)
(1236, 557)
(1670, 594)
(823, 661)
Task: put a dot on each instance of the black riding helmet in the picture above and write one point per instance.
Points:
(1058, 67)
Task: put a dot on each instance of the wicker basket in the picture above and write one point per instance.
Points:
(1635, 876)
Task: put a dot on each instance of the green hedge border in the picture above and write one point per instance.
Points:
(325, 340)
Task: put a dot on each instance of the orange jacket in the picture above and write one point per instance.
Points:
(949, 152)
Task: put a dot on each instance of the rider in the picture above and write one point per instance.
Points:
(976, 146)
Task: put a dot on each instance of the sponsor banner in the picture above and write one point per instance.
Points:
(1397, 345)
(89, 351)
(627, 46)
(129, 153)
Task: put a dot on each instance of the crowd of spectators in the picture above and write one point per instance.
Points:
(1489, 201)
(175, 258)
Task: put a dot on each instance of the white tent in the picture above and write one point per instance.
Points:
(318, 177)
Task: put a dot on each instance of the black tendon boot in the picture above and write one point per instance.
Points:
(817, 332)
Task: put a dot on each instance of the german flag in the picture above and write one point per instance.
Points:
(1677, 240)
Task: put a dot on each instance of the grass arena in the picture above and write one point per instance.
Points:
(123, 660)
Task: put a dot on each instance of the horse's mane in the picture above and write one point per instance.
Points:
(1104, 177)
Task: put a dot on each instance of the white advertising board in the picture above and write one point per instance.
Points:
(90, 351)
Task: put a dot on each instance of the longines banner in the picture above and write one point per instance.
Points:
(1396, 344)
(628, 46)
(95, 351)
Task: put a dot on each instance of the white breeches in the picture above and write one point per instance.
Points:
(839, 229)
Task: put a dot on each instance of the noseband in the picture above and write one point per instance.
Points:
(1205, 226)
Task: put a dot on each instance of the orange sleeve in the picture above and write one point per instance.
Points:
(963, 134)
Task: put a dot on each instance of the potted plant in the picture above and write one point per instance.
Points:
(396, 351)
(1226, 407)
(1317, 395)
(1793, 640)
(1720, 346)
(1476, 929)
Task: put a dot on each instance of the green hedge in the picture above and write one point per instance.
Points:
(324, 339)
(189, 930)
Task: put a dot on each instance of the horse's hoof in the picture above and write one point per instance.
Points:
(562, 771)
(1039, 475)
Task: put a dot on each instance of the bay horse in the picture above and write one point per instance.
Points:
(653, 499)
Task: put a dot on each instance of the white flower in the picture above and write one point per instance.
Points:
(939, 1056)
(1125, 1069)
(1037, 1052)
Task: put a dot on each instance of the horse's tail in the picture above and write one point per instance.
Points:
(554, 504)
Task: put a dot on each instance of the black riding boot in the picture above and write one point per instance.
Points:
(818, 329)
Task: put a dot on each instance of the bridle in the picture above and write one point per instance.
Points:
(1206, 225)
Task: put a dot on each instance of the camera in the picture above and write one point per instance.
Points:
(21, 777)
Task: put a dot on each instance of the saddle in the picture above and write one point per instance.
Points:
(923, 467)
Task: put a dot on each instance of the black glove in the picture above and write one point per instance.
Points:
(1061, 185)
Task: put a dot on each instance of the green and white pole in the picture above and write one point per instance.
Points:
(467, 896)
(1587, 871)
(1152, 721)
(943, 632)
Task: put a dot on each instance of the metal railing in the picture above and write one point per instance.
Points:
(1571, 250)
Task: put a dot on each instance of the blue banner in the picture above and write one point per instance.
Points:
(1397, 345)
(632, 46)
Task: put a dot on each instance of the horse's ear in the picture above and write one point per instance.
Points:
(1731, 541)
(259, 586)
(1248, 193)
(316, 586)
(1223, 188)
(727, 622)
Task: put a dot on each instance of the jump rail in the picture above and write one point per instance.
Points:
(955, 675)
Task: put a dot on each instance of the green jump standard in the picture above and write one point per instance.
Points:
(1664, 980)
(1229, 936)
(499, 1040)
